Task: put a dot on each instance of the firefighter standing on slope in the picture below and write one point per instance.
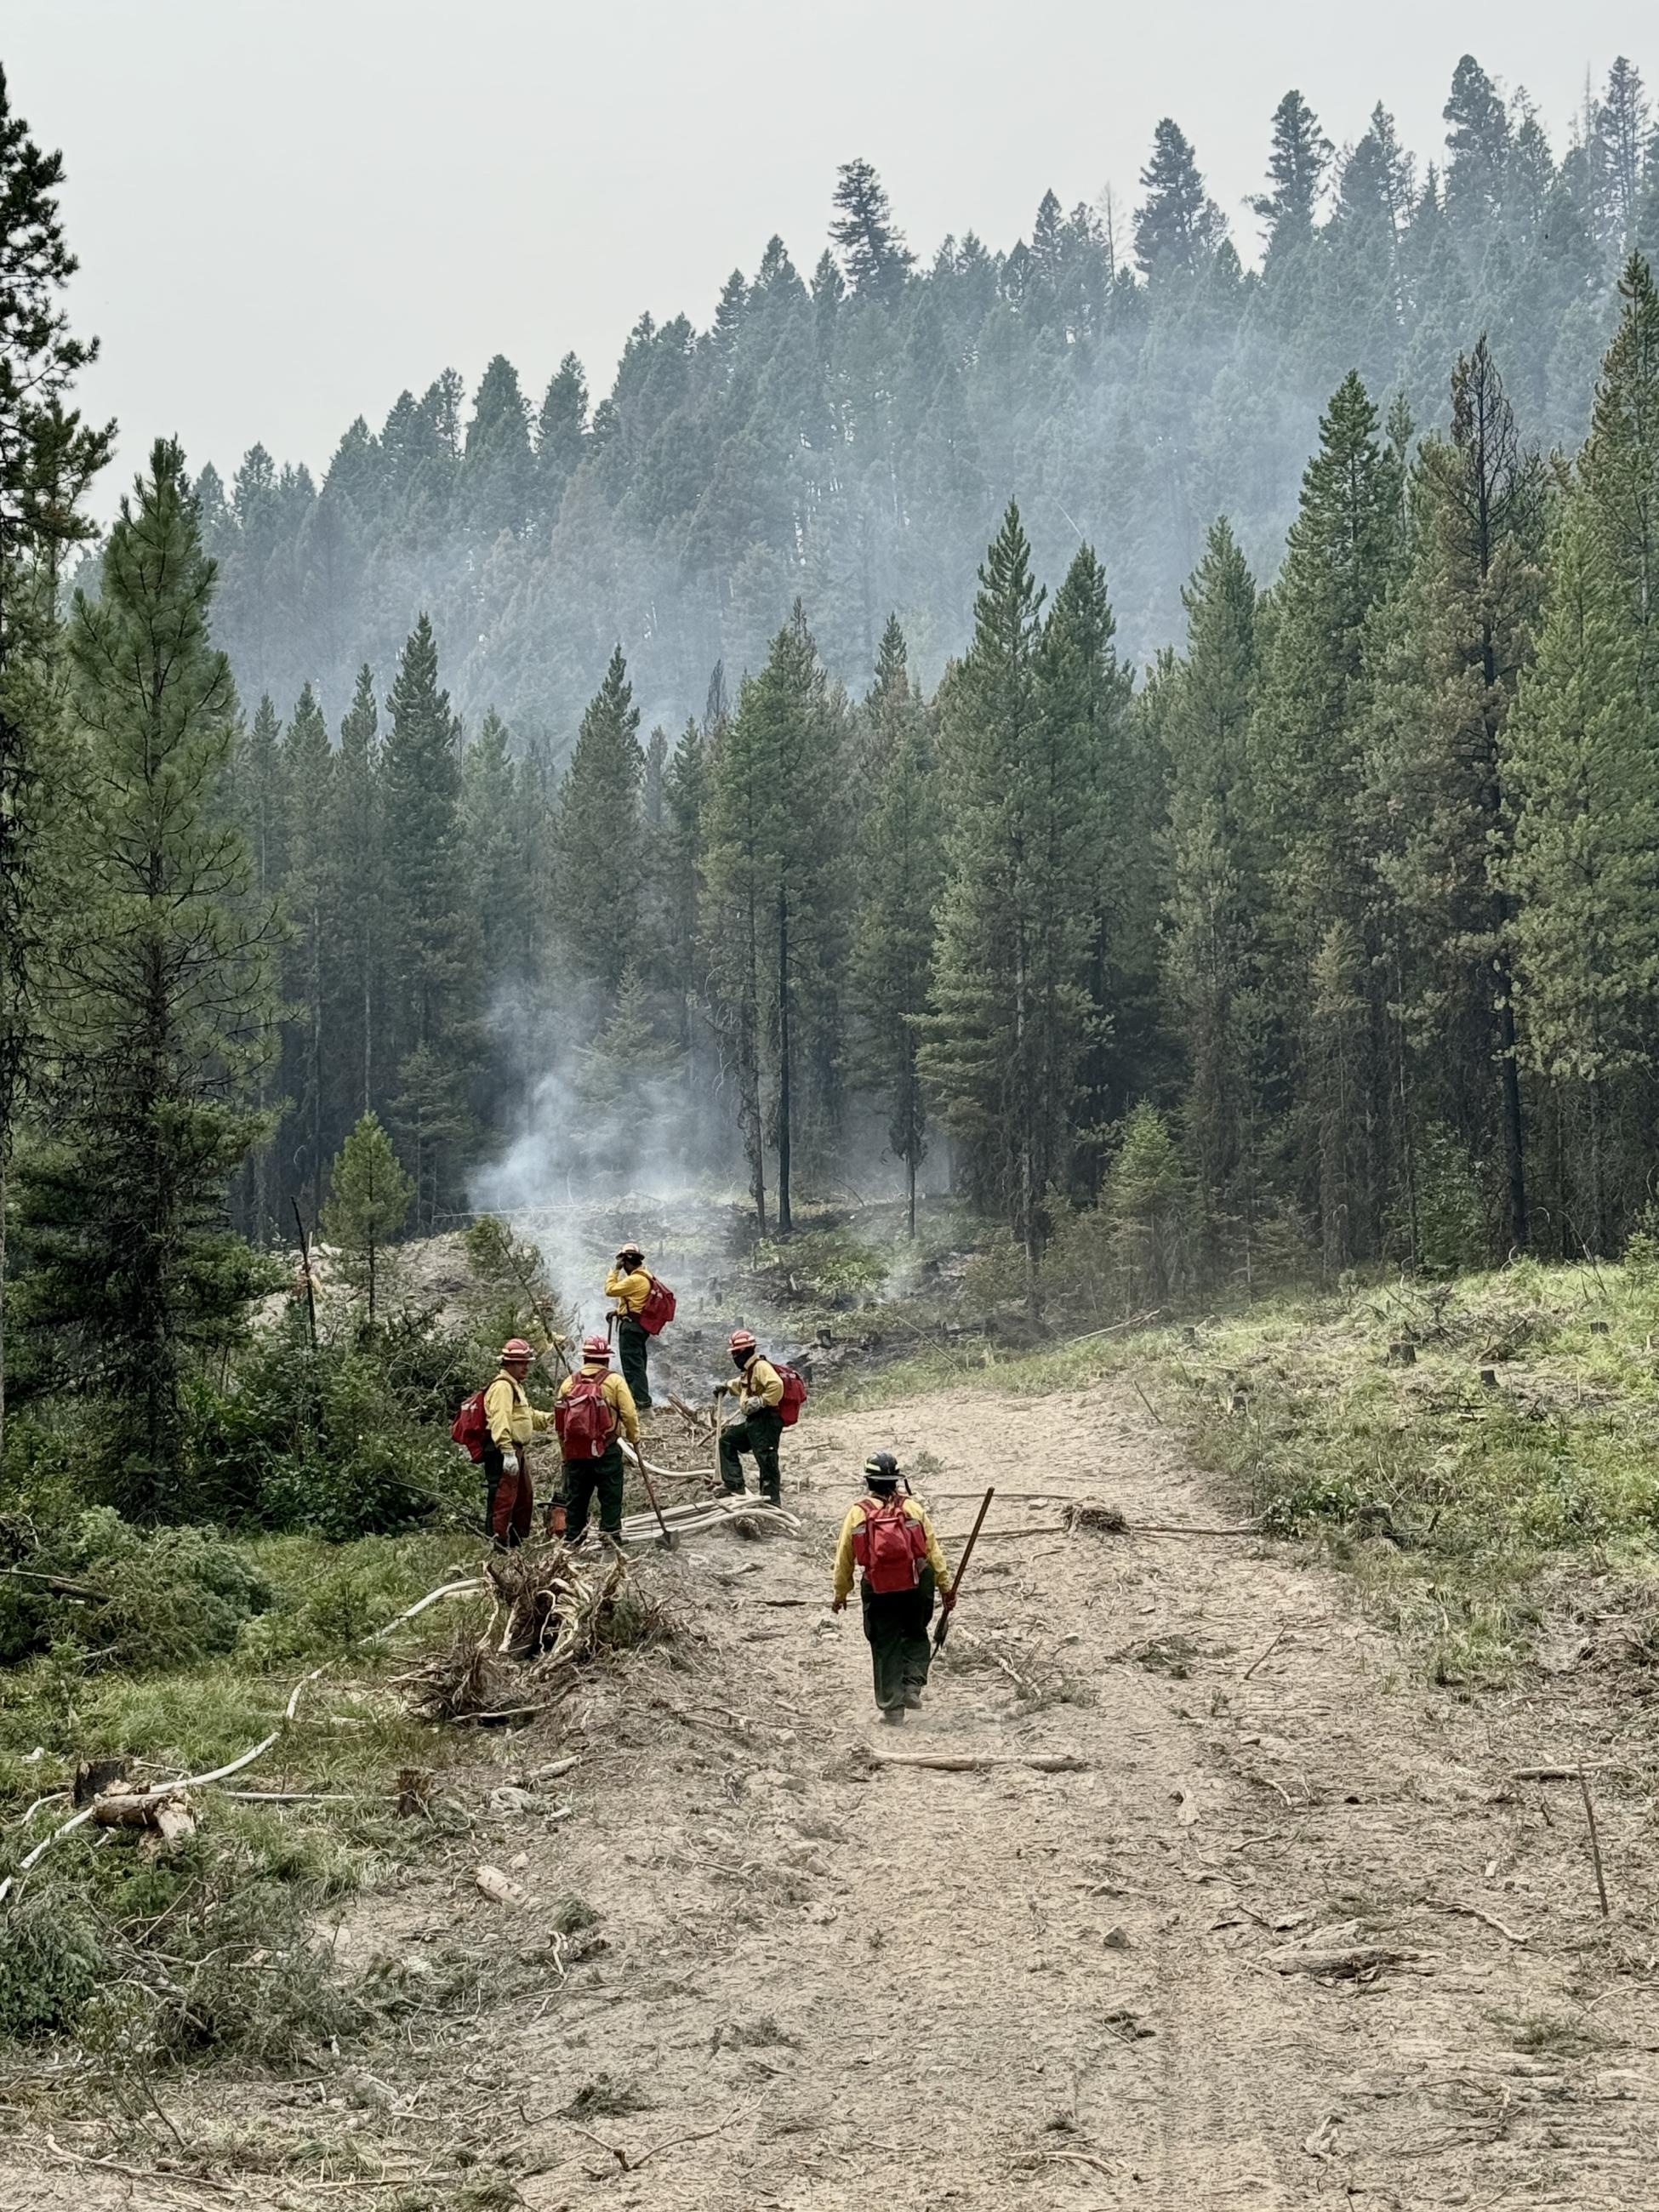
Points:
(510, 1421)
(758, 1388)
(630, 1285)
(891, 1539)
(595, 1410)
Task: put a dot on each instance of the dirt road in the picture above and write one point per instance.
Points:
(1286, 1937)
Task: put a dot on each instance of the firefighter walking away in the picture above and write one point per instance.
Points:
(890, 1542)
(644, 1308)
(595, 1411)
(509, 1423)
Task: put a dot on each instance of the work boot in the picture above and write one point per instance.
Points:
(913, 1700)
(893, 1715)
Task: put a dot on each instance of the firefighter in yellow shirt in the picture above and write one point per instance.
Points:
(594, 1412)
(891, 1539)
(510, 1421)
(629, 1283)
(758, 1388)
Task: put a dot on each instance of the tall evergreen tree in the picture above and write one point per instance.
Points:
(1297, 171)
(48, 457)
(308, 896)
(1179, 227)
(1341, 558)
(1213, 956)
(1582, 871)
(164, 999)
(357, 953)
(900, 862)
(596, 842)
(1456, 642)
(872, 248)
(1010, 1017)
(436, 995)
(776, 936)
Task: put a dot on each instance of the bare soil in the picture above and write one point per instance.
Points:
(1289, 1935)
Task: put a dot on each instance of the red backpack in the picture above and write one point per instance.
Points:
(890, 1546)
(657, 1310)
(470, 1429)
(584, 1418)
(794, 1394)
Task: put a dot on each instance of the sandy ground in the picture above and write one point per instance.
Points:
(818, 1982)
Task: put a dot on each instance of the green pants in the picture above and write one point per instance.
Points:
(758, 1432)
(895, 1624)
(582, 1479)
(632, 1344)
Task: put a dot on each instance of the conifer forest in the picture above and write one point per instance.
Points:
(1137, 723)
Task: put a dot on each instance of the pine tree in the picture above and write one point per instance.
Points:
(1213, 954)
(496, 480)
(435, 993)
(308, 900)
(1179, 227)
(775, 936)
(369, 1197)
(1477, 141)
(872, 248)
(1340, 560)
(163, 1002)
(1458, 640)
(358, 867)
(900, 863)
(596, 840)
(1619, 469)
(48, 458)
(1297, 171)
(560, 434)
(1010, 1017)
(1618, 143)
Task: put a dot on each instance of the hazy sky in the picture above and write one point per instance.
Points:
(286, 210)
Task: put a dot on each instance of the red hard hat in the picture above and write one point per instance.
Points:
(742, 1339)
(597, 1348)
(515, 1348)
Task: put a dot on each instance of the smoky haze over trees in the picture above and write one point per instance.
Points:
(846, 429)
(755, 774)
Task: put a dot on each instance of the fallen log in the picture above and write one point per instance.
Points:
(974, 1762)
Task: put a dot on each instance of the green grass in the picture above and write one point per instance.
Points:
(210, 1949)
(1453, 1499)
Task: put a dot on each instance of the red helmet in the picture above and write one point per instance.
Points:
(742, 1339)
(597, 1348)
(516, 1348)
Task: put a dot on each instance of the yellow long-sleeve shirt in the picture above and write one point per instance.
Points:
(760, 1379)
(616, 1394)
(631, 1287)
(509, 1416)
(844, 1560)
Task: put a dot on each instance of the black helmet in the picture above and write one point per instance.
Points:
(881, 1471)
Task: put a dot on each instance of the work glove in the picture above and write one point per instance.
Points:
(837, 1604)
(509, 1463)
(948, 1602)
(753, 1405)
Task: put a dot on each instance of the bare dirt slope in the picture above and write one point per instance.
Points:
(818, 1982)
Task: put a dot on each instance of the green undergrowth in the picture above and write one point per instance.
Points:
(212, 1948)
(1459, 1501)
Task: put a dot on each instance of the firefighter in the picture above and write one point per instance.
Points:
(891, 1539)
(758, 1388)
(510, 1421)
(594, 1411)
(630, 1285)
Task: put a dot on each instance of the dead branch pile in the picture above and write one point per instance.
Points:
(744, 1515)
(555, 1608)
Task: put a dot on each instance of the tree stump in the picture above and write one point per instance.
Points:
(1599, 1328)
(1402, 1353)
(1489, 1377)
